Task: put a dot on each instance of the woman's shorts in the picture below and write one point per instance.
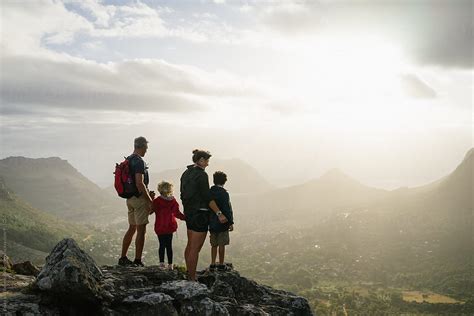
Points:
(198, 221)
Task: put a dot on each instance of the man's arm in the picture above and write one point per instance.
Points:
(139, 178)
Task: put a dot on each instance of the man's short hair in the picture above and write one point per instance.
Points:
(220, 178)
(140, 142)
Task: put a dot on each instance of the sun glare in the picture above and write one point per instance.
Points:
(351, 81)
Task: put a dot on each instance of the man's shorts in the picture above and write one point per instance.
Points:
(197, 221)
(138, 210)
(219, 238)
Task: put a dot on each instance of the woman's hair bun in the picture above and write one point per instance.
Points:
(195, 151)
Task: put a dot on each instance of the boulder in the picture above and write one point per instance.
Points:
(26, 268)
(70, 275)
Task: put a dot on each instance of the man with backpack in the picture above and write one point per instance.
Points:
(139, 200)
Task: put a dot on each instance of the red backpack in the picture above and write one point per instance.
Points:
(124, 181)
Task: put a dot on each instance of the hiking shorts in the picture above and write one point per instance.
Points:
(219, 238)
(138, 210)
(197, 221)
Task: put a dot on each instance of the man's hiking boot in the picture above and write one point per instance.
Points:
(138, 263)
(124, 261)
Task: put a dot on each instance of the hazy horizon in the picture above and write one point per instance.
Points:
(272, 180)
(381, 90)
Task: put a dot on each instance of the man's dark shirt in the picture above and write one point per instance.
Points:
(138, 165)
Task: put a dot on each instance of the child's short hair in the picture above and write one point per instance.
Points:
(165, 188)
(220, 178)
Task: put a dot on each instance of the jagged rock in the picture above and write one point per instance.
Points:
(15, 282)
(185, 290)
(70, 275)
(71, 283)
(5, 261)
(245, 310)
(25, 304)
(222, 289)
(260, 299)
(149, 304)
(205, 307)
(26, 268)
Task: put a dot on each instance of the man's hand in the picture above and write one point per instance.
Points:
(231, 228)
(222, 218)
(150, 208)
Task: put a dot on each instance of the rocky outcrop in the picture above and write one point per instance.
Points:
(26, 268)
(71, 283)
(70, 275)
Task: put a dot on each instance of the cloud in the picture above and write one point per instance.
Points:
(133, 85)
(432, 32)
(33, 26)
(28, 24)
(292, 18)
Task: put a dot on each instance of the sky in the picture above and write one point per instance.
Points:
(379, 89)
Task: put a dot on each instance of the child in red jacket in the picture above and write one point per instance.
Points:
(166, 210)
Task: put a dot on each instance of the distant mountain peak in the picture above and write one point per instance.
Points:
(334, 174)
(26, 160)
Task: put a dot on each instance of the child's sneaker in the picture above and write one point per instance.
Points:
(162, 266)
(225, 267)
(170, 267)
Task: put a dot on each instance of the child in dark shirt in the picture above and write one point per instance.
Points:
(219, 232)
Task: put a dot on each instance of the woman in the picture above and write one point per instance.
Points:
(196, 199)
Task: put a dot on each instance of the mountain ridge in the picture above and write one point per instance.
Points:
(55, 186)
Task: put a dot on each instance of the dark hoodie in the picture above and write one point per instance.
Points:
(195, 193)
(222, 198)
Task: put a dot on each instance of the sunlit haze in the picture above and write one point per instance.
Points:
(381, 90)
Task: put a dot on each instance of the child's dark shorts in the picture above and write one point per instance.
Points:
(197, 221)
